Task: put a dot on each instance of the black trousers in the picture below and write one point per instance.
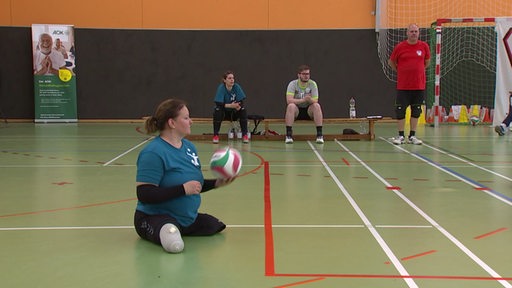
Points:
(220, 114)
(148, 226)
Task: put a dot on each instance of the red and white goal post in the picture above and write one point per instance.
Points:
(473, 68)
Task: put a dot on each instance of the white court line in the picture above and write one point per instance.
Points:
(443, 231)
(65, 228)
(229, 226)
(502, 199)
(469, 163)
(465, 180)
(128, 151)
(392, 257)
(295, 226)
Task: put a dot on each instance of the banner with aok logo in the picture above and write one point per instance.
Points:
(54, 73)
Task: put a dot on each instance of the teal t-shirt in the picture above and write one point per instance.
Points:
(236, 94)
(164, 165)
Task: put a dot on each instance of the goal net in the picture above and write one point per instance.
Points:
(466, 74)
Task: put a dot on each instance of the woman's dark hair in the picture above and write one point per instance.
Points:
(225, 75)
(168, 109)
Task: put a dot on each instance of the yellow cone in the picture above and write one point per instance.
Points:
(463, 117)
(475, 110)
(421, 120)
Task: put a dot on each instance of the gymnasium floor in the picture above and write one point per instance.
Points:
(343, 214)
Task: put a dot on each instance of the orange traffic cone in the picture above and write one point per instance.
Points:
(487, 117)
(451, 118)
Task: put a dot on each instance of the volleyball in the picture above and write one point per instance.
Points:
(474, 120)
(226, 162)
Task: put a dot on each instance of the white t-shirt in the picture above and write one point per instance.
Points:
(56, 58)
(298, 91)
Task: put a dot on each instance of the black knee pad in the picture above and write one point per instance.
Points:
(400, 112)
(415, 111)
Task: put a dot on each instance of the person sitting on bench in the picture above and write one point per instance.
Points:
(229, 105)
(302, 104)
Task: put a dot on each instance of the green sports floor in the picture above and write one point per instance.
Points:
(342, 214)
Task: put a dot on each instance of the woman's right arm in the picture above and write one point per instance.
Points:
(150, 193)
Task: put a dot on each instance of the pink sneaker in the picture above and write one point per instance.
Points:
(215, 139)
(246, 139)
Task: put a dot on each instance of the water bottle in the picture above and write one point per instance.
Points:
(238, 132)
(352, 110)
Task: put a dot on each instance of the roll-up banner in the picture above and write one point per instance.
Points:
(54, 73)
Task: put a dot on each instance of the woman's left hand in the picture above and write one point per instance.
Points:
(221, 182)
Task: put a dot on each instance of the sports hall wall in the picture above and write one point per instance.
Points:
(131, 54)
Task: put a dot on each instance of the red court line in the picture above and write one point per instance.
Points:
(490, 233)
(346, 161)
(140, 130)
(104, 203)
(414, 256)
(269, 237)
(301, 282)
(418, 255)
(62, 183)
(270, 264)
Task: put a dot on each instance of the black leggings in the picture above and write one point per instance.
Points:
(148, 226)
(220, 114)
(508, 119)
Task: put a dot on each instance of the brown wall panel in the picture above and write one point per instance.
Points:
(124, 73)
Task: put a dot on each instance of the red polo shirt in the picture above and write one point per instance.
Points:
(410, 59)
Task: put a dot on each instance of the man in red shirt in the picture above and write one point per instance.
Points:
(409, 59)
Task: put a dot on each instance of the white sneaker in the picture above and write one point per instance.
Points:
(320, 139)
(414, 140)
(288, 140)
(398, 140)
(170, 238)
